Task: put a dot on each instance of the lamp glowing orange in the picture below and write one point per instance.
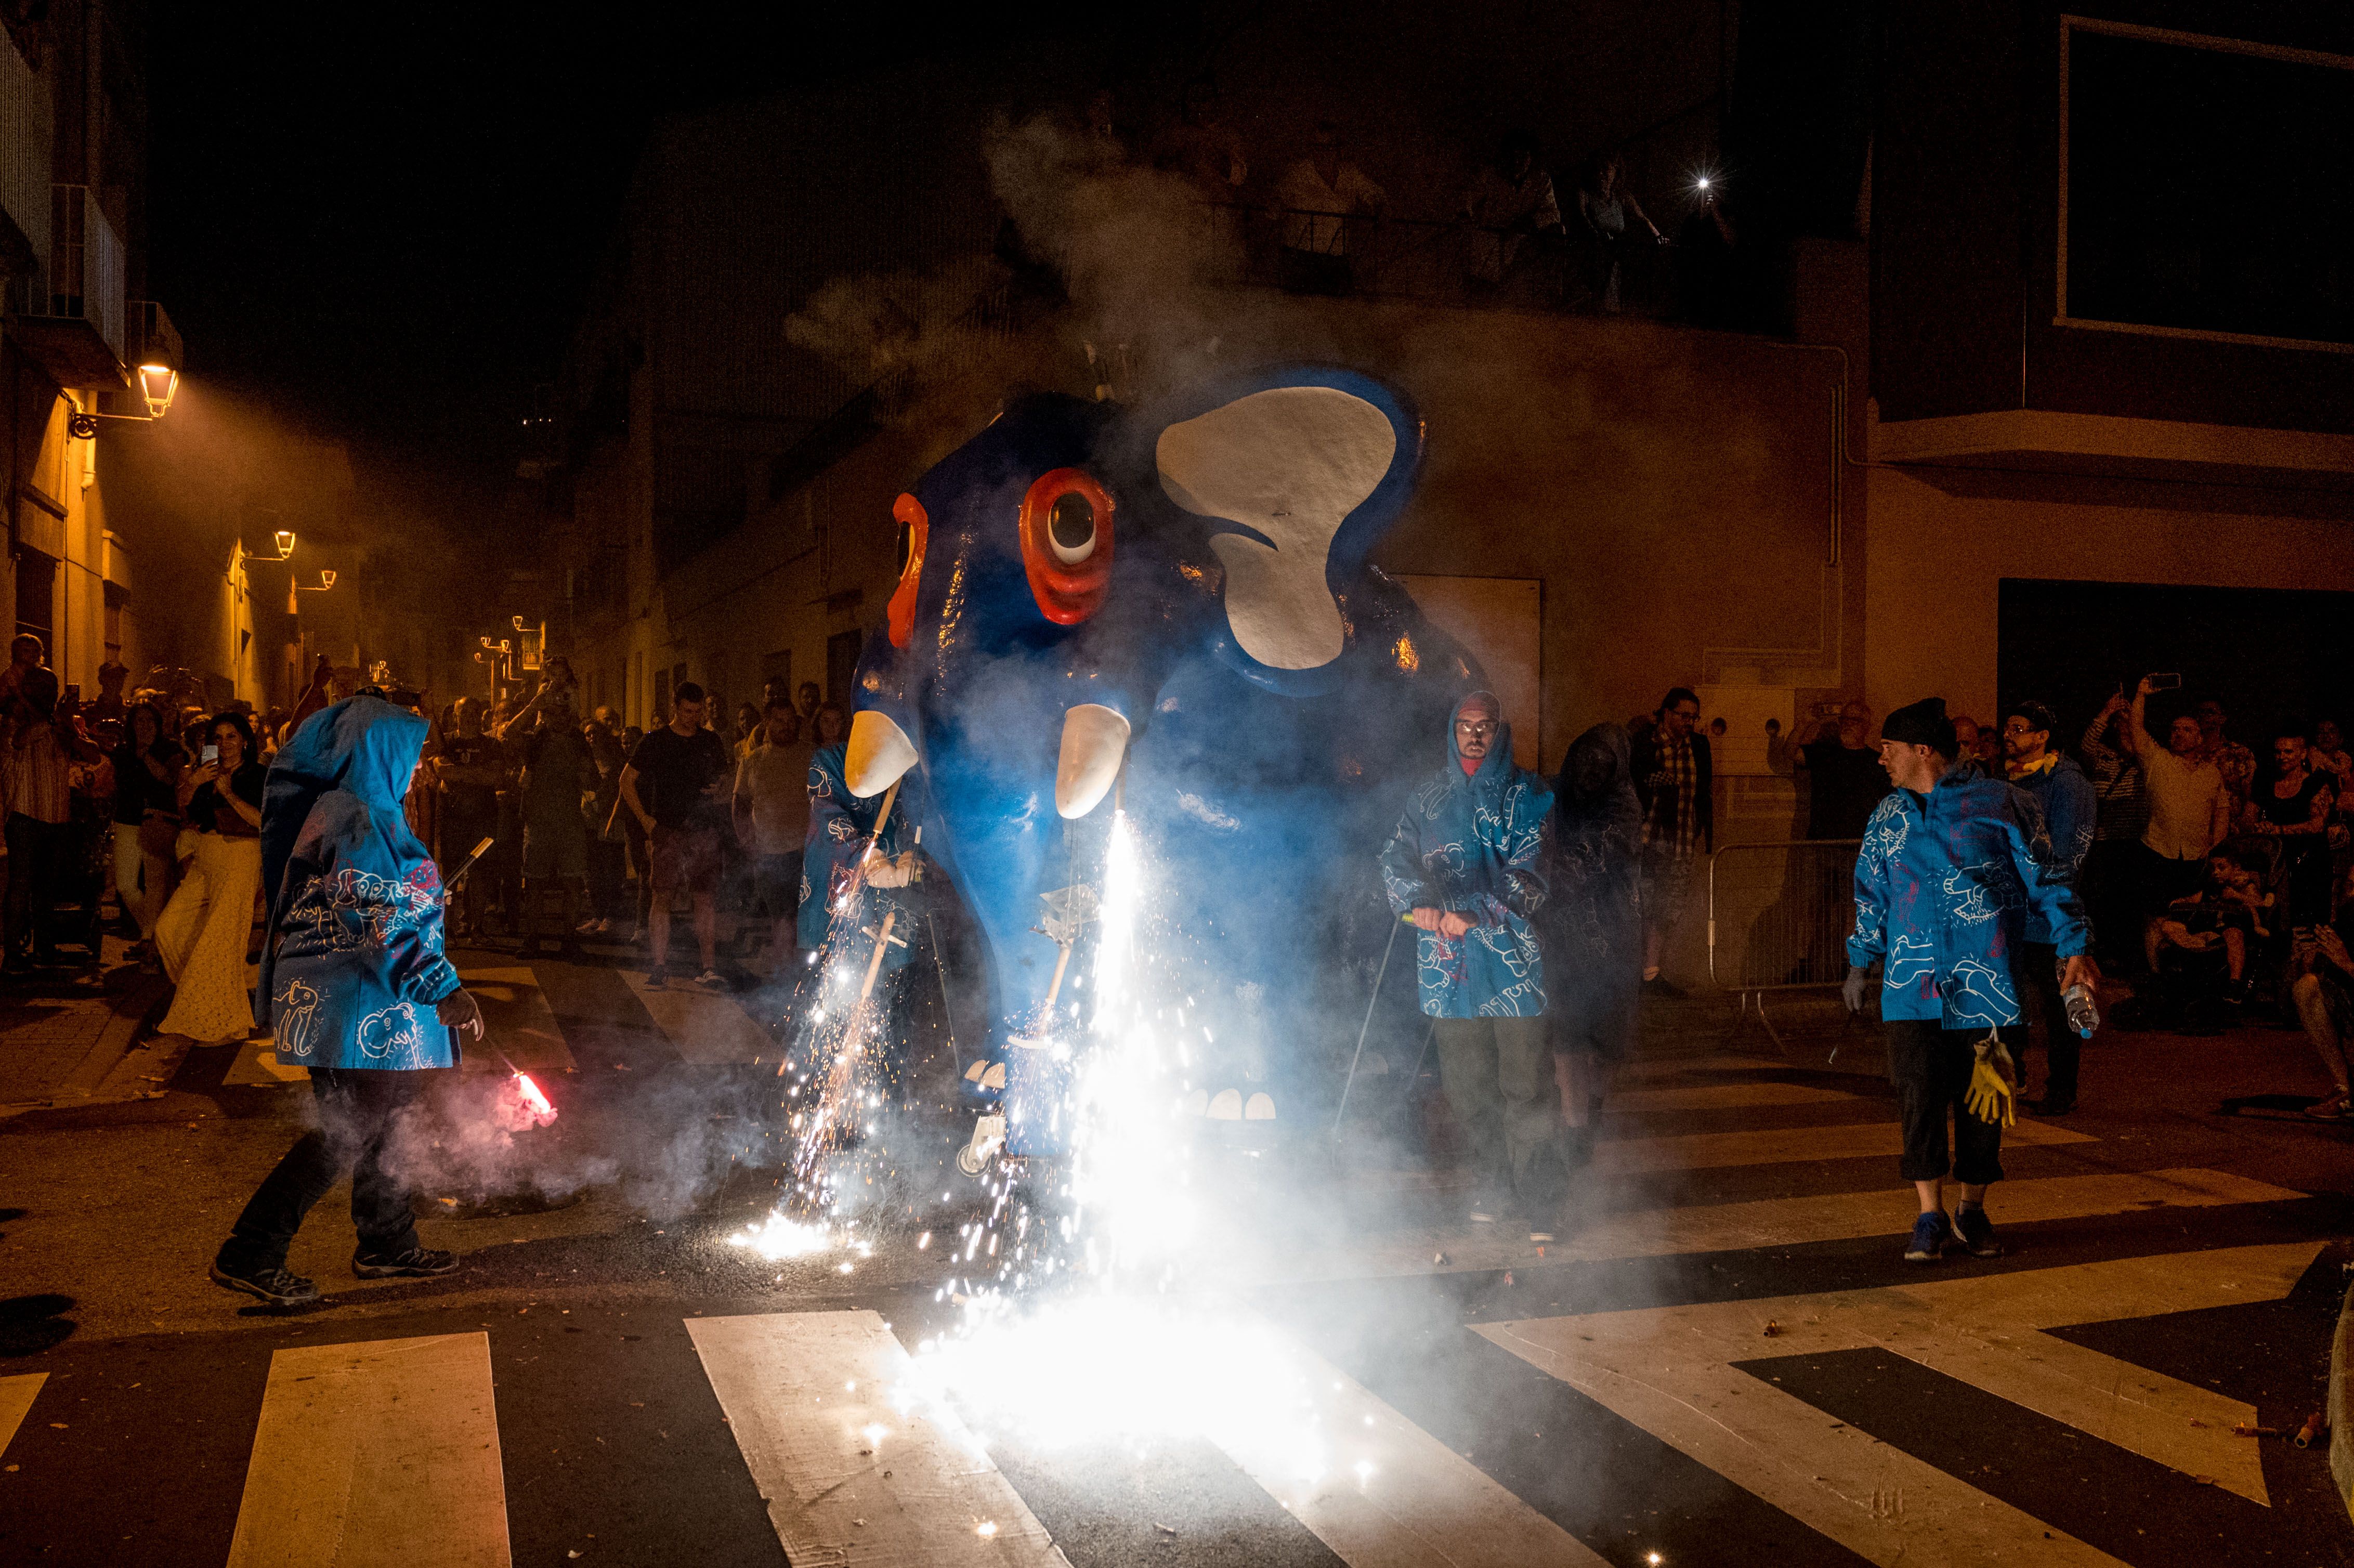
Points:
(911, 515)
(157, 384)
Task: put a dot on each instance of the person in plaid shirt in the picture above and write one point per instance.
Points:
(1674, 780)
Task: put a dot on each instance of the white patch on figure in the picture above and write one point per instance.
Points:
(1202, 811)
(1291, 462)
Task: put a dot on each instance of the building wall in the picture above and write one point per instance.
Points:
(1943, 540)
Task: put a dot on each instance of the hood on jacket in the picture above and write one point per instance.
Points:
(1596, 792)
(1497, 766)
(363, 744)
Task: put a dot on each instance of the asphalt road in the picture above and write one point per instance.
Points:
(602, 1380)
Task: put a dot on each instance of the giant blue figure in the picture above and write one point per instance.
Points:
(1183, 592)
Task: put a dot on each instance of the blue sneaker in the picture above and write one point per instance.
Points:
(1932, 1235)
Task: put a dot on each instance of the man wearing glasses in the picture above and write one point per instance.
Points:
(1466, 869)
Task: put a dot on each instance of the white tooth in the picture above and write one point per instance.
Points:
(1095, 739)
(879, 752)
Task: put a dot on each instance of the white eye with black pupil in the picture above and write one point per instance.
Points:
(1071, 527)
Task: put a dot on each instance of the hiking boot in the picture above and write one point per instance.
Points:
(1977, 1230)
(273, 1286)
(1662, 987)
(1932, 1235)
(657, 979)
(415, 1262)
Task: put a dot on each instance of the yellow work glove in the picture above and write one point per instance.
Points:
(1993, 1092)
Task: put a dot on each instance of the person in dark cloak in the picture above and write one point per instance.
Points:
(1593, 929)
(355, 985)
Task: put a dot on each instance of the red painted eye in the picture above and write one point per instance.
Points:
(915, 526)
(1066, 545)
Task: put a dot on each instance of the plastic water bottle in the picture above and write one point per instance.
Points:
(2082, 1016)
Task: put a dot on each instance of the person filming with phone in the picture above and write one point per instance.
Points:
(201, 934)
(2189, 809)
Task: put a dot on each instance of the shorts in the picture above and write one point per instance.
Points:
(776, 884)
(1666, 884)
(686, 857)
(555, 852)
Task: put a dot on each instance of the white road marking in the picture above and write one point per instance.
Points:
(1718, 1096)
(1783, 1146)
(17, 1396)
(1416, 1503)
(1737, 1227)
(1669, 1370)
(707, 1027)
(383, 1454)
(519, 1023)
(849, 1477)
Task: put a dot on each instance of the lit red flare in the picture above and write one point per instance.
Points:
(535, 1101)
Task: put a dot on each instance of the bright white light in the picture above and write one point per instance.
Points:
(778, 1237)
(1071, 1373)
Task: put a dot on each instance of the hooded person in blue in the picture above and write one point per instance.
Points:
(354, 985)
(2071, 813)
(1465, 867)
(1952, 864)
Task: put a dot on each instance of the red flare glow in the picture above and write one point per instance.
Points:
(532, 1096)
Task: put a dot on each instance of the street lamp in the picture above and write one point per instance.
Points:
(157, 384)
(295, 589)
(284, 540)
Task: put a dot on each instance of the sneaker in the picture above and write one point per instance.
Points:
(1662, 986)
(712, 979)
(1977, 1230)
(416, 1261)
(274, 1285)
(2338, 1107)
(657, 979)
(1932, 1235)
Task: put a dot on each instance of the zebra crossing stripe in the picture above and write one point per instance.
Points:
(381, 1454)
(1781, 1146)
(1719, 1097)
(706, 1028)
(1415, 1502)
(815, 1401)
(17, 1396)
(518, 1015)
(1671, 1371)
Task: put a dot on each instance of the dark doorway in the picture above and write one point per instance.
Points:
(842, 666)
(36, 598)
(2266, 654)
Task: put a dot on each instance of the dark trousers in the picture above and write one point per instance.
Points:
(2038, 968)
(37, 851)
(1930, 1066)
(1497, 1075)
(356, 1107)
(2112, 901)
(608, 868)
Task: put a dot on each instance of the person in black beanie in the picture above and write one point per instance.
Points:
(1952, 861)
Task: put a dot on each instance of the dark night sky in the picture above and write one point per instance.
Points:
(378, 223)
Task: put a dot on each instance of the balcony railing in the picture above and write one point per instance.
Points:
(1453, 262)
(86, 269)
(26, 130)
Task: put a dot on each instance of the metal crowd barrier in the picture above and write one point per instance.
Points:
(1778, 918)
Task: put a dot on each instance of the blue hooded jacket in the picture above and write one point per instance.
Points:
(2071, 809)
(840, 826)
(1943, 886)
(352, 964)
(1476, 845)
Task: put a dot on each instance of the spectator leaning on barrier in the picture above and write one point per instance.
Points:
(2122, 814)
(1951, 862)
(1465, 866)
(2065, 796)
(1677, 787)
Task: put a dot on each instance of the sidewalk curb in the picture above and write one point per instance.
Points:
(2341, 1449)
(114, 1041)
